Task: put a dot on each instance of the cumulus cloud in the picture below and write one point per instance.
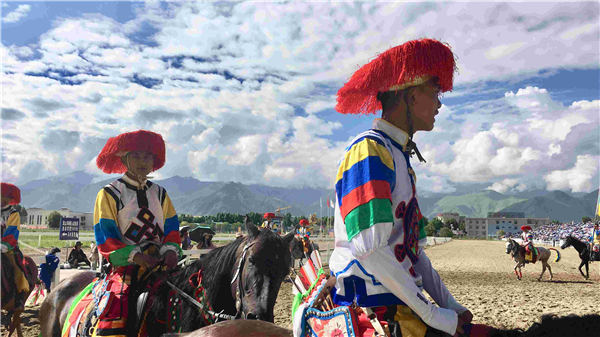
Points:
(508, 185)
(16, 15)
(244, 91)
(578, 178)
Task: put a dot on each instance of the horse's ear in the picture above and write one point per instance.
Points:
(290, 236)
(253, 231)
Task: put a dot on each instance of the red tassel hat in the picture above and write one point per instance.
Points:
(268, 215)
(109, 159)
(410, 64)
(525, 228)
(303, 222)
(12, 192)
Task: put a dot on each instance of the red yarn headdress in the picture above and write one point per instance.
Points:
(525, 228)
(11, 191)
(409, 64)
(268, 215)
(109, 159)
(303, 222)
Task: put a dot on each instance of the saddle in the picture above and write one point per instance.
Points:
(317, 315)
(531, 255)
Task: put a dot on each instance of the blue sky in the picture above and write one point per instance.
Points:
(245, 91)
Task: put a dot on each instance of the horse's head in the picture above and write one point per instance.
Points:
(568, 242)
(263, 262)
(509, 245)
(296, 248)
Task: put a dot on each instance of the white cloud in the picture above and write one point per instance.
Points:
(579, 178)
(16, 15)
(240, 90)
(508, 185)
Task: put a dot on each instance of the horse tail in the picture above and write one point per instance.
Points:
(557, 253)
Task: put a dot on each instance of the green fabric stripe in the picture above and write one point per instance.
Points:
(422, 234)
(120, 256)
(82, 294)
(367, 215)
(179, 250)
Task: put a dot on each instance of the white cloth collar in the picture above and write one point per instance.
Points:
(397, 134)
(134, 182)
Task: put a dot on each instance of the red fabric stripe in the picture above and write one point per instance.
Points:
(374, 189)
(10, 240)
(109, 246)
(173, 237)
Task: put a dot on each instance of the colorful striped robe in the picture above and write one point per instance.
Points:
(12, 220)
(125, 217)
(378, 258)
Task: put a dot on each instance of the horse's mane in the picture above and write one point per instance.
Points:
(221, 262)
(554, 326)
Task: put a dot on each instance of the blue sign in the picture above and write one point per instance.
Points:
(69, 229)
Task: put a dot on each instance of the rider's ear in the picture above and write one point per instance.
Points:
(253, 231)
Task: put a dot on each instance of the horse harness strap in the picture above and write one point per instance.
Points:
(238, 291)
(198, 304)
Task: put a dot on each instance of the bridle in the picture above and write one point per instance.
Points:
(239, 289)
(238, 292)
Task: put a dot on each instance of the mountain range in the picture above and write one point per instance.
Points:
(77, 191)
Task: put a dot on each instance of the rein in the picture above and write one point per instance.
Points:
(206, 308)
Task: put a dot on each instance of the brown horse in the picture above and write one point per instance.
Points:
(10, 298)
(518, 254)
(241, 280)
(549, 326)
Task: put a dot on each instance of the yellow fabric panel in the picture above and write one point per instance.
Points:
(168, 209)
(105, 207)
(20, 280)
(14, 220)
(361, 150)
(411, 325)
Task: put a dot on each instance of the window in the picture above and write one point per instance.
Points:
(497, 222)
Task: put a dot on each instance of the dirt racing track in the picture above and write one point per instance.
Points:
(480, 276)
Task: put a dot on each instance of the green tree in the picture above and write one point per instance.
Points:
(446, 232)
(437, 223)
(461, 226)
(452, 223)
(586, 219)
(430, 229)
(500, 233)
(555, 221)
(54, 219)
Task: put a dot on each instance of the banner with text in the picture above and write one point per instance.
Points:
(69, 229)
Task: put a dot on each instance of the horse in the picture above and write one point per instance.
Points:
(302, 248)
(518, 254)
(584, 253)
(239, 280)
(549, 326)
(9, 297)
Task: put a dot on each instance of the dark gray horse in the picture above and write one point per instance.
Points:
(584, 253)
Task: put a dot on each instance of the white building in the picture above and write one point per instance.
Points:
(38, 217)
(488, 227)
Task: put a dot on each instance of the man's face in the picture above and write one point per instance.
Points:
(139, 162)
(425, 106)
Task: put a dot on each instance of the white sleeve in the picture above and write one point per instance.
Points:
(383, 264)
(370, 239)
(434, 285)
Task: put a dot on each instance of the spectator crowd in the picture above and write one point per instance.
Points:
(559, 231)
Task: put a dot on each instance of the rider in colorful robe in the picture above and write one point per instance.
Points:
(378, 260)
(527, 238)
(130, 212)
(595, 254)
(11, 224)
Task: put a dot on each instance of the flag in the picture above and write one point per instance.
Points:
(598, 205)
(328, 202)
(332, 203)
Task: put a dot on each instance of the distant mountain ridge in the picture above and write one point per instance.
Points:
(77, 191)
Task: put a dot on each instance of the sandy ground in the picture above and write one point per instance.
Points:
(480, 276)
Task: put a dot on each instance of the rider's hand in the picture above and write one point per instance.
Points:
(145, 260)
(459, 330)
(4, 248)
(170, 259)
(466, 316)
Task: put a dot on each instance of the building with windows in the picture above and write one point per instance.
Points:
(38, 217)
(488, 227)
